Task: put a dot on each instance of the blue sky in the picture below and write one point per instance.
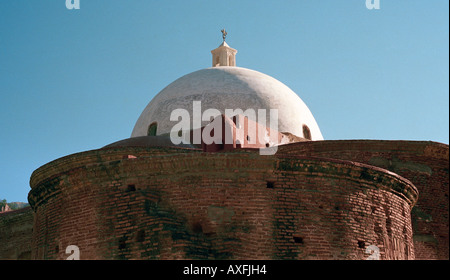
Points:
(77, 80)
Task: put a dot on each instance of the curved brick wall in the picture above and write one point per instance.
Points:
(185, 204)
(424, 163)
(15, 234)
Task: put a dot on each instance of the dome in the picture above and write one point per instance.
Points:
(226, 87)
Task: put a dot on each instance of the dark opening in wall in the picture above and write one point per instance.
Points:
(298, 239)
(267, 145)
(152, 128)
(306, 132)
(140, 236)
(122, 243)
(131, 188)
(361, 244)
(270, 185)
(197, 227)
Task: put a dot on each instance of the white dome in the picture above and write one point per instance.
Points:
(228, 88)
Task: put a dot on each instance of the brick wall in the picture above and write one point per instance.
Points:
(15, 234)
(183, 204)
(424, 163)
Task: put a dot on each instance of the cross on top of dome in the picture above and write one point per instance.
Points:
(224, 34)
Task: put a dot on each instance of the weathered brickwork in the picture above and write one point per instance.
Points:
(312, 200)
(340, 210)
(15, 234)
(424, 163)
(168, 203)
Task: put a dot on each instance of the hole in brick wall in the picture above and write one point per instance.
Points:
(131, 188)
(140, 236)
(270, 185)
(197, 227)
(298, 239)
(57, 248)
(122, 243)
(361, 244)
(337, 208)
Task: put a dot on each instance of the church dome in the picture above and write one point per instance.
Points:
(225, 86)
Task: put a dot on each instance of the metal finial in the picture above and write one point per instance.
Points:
(224, 34)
